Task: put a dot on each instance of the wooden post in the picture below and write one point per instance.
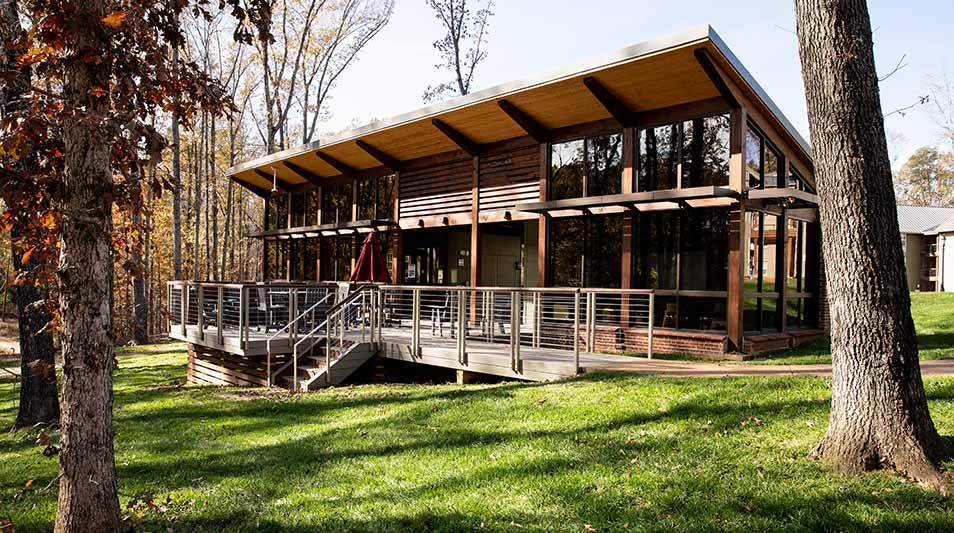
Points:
(781, 270)
(542, 220)
(628, 186)
(475, 232)
(735, 286)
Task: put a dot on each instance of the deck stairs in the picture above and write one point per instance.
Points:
(331, 342)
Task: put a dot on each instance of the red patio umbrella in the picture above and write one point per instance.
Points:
(372, 265)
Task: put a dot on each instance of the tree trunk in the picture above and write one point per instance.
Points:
(879, 412)
(38, 401)
(176, 190)
(88, 498)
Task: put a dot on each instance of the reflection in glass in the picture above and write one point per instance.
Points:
(658, 158)
(586, 252)
(705, 152)
(704, 259)
(604, 167)
(566, 170)
(771, 168)
(753, 159)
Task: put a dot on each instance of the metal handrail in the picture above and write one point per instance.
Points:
(333, 313)
(268, 342)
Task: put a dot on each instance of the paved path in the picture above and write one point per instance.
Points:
(693, 369)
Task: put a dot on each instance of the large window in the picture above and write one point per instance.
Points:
(800, 278)
(376, 198)
(336, 203)
(276, 212)
(763, 161)
(276, 253)
(692, 153)
(336, 258)
(586, 252)
(586, 167)
(762, 277)
(684, 256)
(304, 259)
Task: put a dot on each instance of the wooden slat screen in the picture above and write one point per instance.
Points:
(443, 189)
(509, 178)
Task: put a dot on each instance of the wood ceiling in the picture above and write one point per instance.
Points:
(658, 79)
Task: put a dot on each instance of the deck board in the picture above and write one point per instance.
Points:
(535, 364)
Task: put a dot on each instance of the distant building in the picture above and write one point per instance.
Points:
(927, 236)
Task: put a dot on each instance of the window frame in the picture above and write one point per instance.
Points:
(679, 146)
(586, 163)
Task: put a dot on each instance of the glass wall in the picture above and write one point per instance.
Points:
(762, 161)
(692, 153)
(336, 258)
(336, 203)
(586, 252)
(276, 212)
(376, 198)
(684, 256)
(586, 167)
(304, 259)
(761, 275)
(300, 207)
(800, 278)
(276, 253)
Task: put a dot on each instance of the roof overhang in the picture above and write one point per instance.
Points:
(708, 196)
(654, 75)
(344, 228)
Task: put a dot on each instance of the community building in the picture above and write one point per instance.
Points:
(654, 199)
(927, 236)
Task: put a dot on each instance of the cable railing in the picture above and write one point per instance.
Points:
(576, 320)
(236, 312)
(509, 321)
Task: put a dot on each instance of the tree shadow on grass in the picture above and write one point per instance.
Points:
(561, 464)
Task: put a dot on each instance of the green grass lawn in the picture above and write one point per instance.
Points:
(604, 452)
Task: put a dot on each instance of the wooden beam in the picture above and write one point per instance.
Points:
(303, 173)
(705, 61)
(462, 141)
(609, 101)
(279, 183)
(257, 191)
(527, 123)
(387, 160)
(344, 168)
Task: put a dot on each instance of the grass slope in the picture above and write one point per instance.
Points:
(605, 452)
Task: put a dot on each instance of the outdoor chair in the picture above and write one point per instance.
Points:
(439, 311)
(269, 306)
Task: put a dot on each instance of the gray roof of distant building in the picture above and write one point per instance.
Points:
(925, 220)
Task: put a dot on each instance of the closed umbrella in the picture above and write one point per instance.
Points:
(372, 265)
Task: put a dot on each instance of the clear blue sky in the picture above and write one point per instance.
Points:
(530, 37)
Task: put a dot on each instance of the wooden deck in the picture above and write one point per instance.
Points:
(534, 364)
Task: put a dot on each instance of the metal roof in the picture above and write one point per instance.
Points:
(925, 220)
(699, 34)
